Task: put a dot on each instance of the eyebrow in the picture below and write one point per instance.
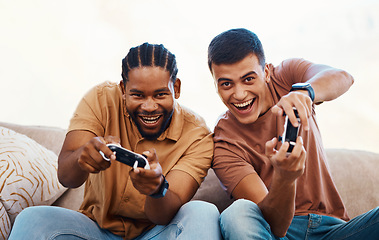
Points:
(165, 89)
(249, 73)
(135, 91)
(228, 79)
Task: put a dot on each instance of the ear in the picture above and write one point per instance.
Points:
(177, 88)
(122, 88)
(267, 73)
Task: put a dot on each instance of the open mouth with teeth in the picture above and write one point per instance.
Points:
(244, 106)
(149, 120)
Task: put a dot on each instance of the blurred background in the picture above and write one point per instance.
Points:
(52, 52)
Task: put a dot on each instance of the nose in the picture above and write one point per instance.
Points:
(239, 92)
(149, 105)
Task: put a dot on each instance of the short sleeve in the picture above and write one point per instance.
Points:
(291, 71)
(197, 158)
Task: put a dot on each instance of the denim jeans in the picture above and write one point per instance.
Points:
(244, 220)
(194, 220)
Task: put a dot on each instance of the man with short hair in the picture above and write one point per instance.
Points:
(120, 201)
(279, 194)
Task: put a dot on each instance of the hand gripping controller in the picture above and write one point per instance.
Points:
(127, 157)
(290, 132)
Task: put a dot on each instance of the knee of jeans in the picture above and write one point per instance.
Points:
(240, 205)
(238, 209)
(201, 208)
(31, 215)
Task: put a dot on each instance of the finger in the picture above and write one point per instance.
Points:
(84, 165)
(303, 116)
(97, 161)
(151, 156)
(304, 111)
(299, 148)
(270, 147)
(282, 152)
(292, 117)
(145, 180)
(277, 110)
(98, 152)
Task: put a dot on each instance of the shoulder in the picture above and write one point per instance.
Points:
(227, 126)
(104, 92)
(288, 72)
(107, 88)
(191, 118)
(290, 66)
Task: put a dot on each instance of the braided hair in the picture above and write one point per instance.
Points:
(152, 55)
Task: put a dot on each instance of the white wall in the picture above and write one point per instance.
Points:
(52, 52)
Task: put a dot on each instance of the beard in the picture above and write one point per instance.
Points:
(152, 136)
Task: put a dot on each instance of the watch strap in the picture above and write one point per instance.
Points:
(304, 86)
(162, 189)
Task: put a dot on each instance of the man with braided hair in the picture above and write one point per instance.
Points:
(121, 202)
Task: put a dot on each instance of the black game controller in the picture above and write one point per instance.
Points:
(290, 132)
(128, 157)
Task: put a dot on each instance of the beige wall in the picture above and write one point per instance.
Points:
(52, 52)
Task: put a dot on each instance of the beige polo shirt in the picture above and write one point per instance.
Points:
(110, 198)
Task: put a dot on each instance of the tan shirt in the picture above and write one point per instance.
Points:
(239, 150)
(110, 198)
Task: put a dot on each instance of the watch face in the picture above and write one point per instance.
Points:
(301, 85)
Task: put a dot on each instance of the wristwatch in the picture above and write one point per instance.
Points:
(304, 86)
(162, 189)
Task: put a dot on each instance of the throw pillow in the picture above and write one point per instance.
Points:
(28, 174)
(5, 224)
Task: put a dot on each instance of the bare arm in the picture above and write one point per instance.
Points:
(80, 156)
(328, 84)
(181, 189)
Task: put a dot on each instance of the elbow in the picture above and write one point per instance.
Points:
(349, 79)
(280, 233)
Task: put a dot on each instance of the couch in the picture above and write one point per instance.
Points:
(354, 172)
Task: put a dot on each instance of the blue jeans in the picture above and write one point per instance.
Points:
(244, 220)
(194, 220)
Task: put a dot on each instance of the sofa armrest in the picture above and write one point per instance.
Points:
(50, 137)
(355, 175)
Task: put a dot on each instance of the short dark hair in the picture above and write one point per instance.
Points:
(152, 55)
(234, 45)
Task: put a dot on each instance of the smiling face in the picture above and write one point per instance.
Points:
(150, 96)
(242, 86)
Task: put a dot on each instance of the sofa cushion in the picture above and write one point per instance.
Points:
(211, 190)
(28, 174)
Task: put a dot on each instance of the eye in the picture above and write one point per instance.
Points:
(161, 95)
(225, 84)
(136, 95)
(249, 79)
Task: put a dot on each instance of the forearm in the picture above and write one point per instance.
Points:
(69, 172)
(328, 84)
(182, 187)
(161, 210)
(278, 207)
